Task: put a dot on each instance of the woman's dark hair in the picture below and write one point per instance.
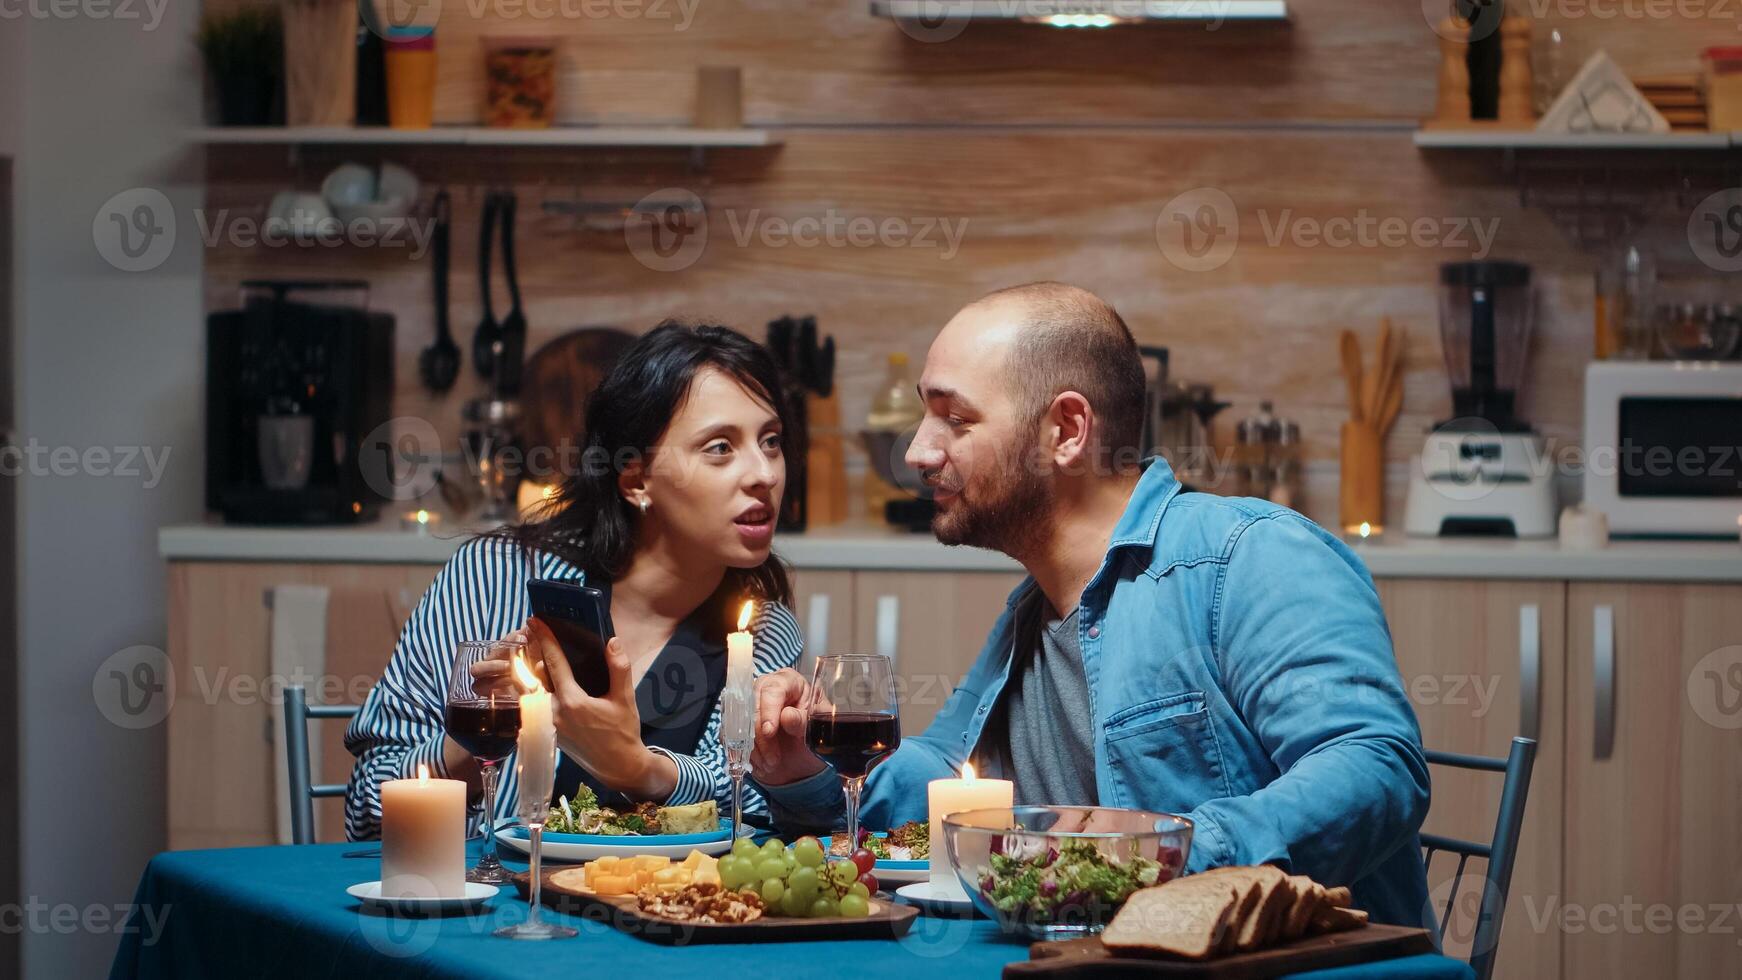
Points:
(589, 524)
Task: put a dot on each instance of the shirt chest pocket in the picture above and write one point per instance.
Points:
(1163, 754)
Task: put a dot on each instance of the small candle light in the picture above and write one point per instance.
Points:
(947, 796)
(421, 520)
(423, 837)
(536, 746)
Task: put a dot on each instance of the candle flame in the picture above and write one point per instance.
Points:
(1366, 529)
(968, 770)
(524, 674)
(422, 516)
(744, 616)
(422, 773)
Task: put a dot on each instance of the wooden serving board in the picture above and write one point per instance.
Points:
(886, 921)
(1088, 958)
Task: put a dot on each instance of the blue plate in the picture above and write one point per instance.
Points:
(661, 840)
(884, 865)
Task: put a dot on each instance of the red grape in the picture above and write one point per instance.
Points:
(864, 860)
(869, 880)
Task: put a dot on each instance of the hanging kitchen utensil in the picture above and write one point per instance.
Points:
(488, 334)
(512, 331)
(439, 363)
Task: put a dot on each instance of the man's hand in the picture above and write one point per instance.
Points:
(781, 755)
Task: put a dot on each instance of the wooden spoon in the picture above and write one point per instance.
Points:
(1350, 348)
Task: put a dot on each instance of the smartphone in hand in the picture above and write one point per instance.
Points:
(580, 617)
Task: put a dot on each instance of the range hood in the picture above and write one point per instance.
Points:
(1083, 13)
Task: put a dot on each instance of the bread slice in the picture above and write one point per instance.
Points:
(1262, 899)
(1339, 896)
(1309, 895)
(1285, 898)
(1331, 918)
(1185, 918)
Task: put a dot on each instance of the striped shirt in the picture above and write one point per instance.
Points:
(481, 594)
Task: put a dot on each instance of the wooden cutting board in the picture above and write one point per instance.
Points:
(886, 921)
(1086, 958)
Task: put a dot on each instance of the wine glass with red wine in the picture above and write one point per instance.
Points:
(853, 722)
(483, 716)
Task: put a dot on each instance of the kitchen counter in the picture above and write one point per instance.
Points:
(868, 547)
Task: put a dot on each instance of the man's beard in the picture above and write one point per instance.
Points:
(1001, 515)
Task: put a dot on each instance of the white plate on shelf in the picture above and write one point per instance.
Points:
(562, 850)
(369, 893)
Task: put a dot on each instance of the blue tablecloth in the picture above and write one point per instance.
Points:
(283, 912)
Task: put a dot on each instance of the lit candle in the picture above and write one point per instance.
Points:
(535, 751)
(947, 796)
(420, 520)
(423, 837)
(736, 700)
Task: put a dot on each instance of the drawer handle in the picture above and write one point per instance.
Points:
(818, 640)
(1603, 678)
(1529, 670)
(888, 625)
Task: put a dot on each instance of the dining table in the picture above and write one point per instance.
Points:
(283, 911)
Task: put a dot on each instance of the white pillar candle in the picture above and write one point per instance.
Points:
(947, 796)
(535, 750)
(735, 701)
(423, 837)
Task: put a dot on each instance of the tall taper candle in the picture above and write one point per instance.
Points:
(535, 753)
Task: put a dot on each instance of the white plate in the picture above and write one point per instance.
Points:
(894, 872)
(369, 893)
(932, 899)
(630, 847)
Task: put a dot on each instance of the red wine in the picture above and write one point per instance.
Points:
(852, 742)
(486, 729)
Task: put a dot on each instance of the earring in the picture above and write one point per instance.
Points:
(644, 503)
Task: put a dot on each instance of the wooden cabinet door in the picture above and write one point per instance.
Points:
(939, 621)
(223, 781)
(1654, 782)
(1468, 651)
(823, 602)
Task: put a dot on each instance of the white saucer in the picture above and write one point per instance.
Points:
(369, 893)
(931, 898)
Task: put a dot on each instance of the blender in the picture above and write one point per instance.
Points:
(1483, 472)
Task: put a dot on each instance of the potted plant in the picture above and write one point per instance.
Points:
(244, 55)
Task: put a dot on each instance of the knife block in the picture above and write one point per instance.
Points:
(1362, 490)
(826, 493)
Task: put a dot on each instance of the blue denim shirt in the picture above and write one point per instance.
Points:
(1240, 672)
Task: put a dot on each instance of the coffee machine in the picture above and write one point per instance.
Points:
(296, 380)
(1484, 471)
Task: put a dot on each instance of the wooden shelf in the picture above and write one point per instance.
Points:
(1084, 13)
(678, 137)
(1526, 139)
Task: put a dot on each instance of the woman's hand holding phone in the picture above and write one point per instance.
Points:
(602, 734)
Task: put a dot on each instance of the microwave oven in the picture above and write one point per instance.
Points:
(1663, 446)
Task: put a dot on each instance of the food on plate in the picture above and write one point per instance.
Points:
(694, 818)
(701, 902)
(909, 842)
(799, 881)
(584, 815)
(1228, 910)
(612, 876)
(1052, 883)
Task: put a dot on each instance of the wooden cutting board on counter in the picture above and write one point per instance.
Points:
(1087, 958)
(886, 921)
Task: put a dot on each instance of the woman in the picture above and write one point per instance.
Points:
(672, 514)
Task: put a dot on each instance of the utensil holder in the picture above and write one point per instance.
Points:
(1362, 499)
(719, 97)
(826, 464)
(320, 63)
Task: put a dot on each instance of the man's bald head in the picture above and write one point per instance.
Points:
(1064, 338)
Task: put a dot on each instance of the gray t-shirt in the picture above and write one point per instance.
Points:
(1044, 742)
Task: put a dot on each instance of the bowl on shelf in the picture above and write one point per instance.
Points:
(357, 192)
(1057, 872)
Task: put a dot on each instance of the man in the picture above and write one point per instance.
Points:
(1221, 658)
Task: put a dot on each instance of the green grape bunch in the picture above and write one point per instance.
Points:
(798, 881)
